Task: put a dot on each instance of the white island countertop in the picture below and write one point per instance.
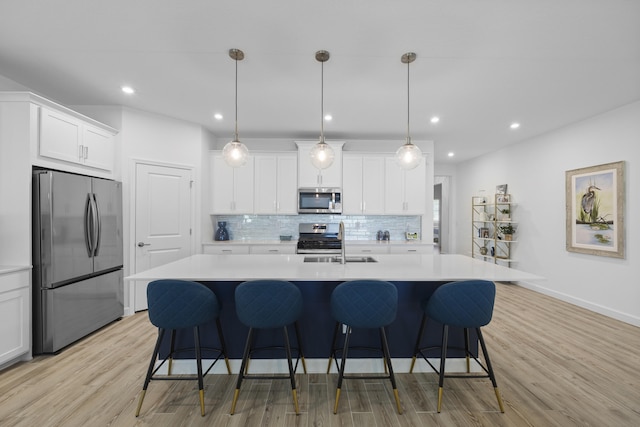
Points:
(404, 267)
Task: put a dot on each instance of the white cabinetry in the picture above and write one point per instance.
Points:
(363, 184)
(232, 188)
(15, 315)
(272, 249)
(311, 177)
(405, 191)
(275, 183)
(70, 139)
(226, 249)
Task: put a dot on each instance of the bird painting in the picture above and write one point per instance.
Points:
(589, 202)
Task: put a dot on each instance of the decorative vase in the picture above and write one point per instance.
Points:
(221, 233)
(508, 237)
(483, 250)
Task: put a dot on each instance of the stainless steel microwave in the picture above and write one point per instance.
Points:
(319, 200)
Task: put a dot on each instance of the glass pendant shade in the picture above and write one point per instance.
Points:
(408, 156)
(235, 153)
(322, 155)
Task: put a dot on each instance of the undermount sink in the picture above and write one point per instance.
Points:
(336, 259)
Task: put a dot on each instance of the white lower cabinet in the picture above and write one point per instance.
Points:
(272, 249)
(366, 249)
(15, 315)
(225, 249)
(411, 249)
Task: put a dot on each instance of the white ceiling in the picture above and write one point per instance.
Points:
(481, 64)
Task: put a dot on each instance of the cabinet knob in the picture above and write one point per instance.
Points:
(142, 244)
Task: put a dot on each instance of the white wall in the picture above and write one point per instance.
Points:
(535, 173)
(160, 140)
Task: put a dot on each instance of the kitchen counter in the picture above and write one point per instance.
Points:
(405, 267)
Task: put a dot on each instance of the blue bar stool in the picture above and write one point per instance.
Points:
(466, 304)
(269, 304)
(368, 304)
(179, 304)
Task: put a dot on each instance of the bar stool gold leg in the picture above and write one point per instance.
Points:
(499, 399)
(140, 402)
(202, 402)
(304, 365)
(395, 394)
(235, 400)
(295, 401)
(335, 406)
(329, 364)
(413, 364)
(226, 361)
(439, 399)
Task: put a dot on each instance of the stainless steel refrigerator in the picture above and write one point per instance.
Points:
(77, 257)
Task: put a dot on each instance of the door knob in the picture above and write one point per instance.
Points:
(141, 244)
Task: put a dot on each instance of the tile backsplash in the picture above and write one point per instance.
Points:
(357, 227)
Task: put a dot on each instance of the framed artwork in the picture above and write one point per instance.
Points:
(502, 198)
(595, 199)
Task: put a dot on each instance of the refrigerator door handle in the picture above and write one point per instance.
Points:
(88, 227)
(97, 225)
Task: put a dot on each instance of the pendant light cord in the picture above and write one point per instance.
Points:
(236, 130)
(322, 102)
(408, 95)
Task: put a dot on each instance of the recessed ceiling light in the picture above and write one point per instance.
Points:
(217, 116)
(128, 90)
(451, 154)
(328, 117)
(435, 119)
(514, 125)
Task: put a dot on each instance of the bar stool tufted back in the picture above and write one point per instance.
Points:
(466, 304)
(179, 304)
(268, 304)
(367, 304)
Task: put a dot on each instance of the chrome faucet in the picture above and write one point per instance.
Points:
(343, 258)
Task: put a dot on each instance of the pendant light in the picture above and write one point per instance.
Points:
(322, 153)
(408, 155)
(235, 153)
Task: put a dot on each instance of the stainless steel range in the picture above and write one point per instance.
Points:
(318, 238)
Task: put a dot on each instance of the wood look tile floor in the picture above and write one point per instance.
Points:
(556, 365)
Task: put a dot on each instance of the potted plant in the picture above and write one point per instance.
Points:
(507, 231)
(505, 214)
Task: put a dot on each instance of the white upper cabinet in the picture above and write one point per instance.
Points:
(311, 177)
(70, 139)
(405, 191)
(363, 184)
(275, 183)
(232, 188)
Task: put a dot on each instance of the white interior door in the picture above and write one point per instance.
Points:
(162, 220)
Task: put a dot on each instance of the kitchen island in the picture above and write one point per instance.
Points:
(416, 276)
